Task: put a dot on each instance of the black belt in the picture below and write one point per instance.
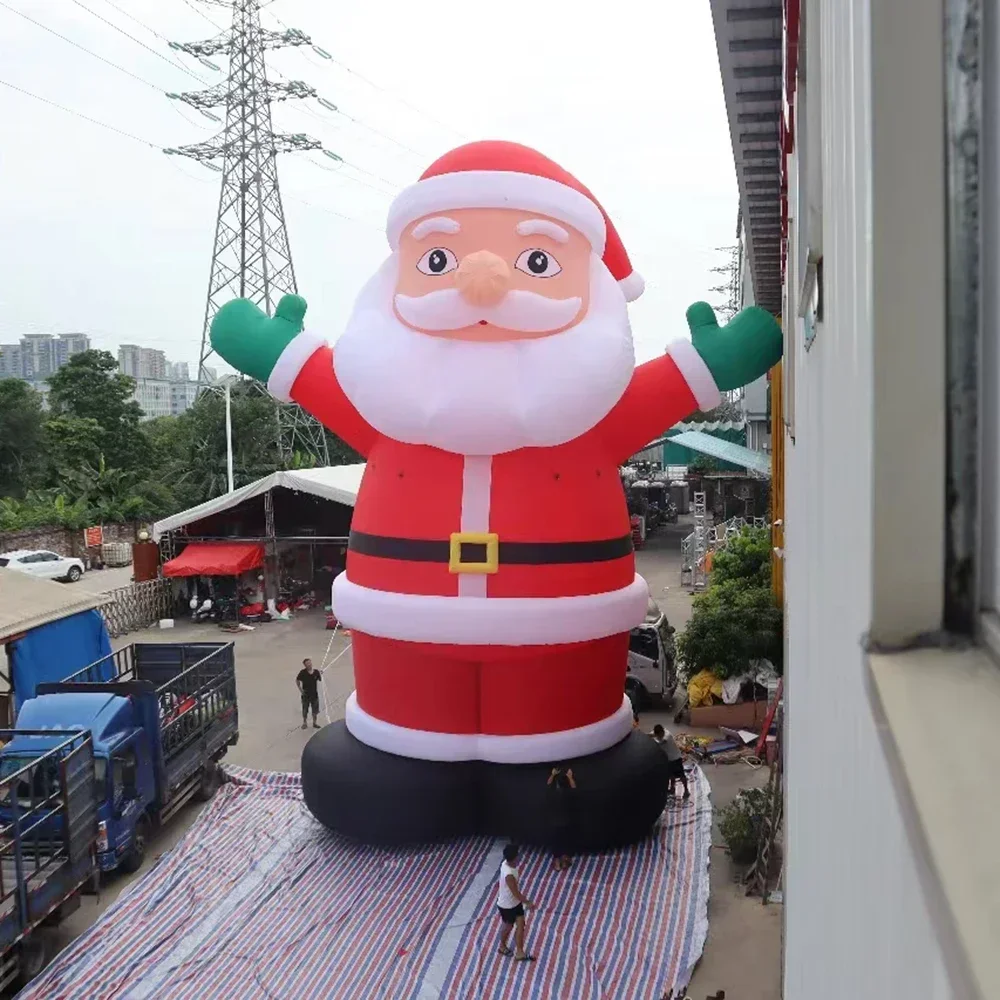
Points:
(472, 552)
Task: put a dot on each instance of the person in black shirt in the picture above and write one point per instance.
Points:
(308, 682)
(562, 786)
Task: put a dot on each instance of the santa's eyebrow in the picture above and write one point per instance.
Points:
(439, 224)
(542, 227)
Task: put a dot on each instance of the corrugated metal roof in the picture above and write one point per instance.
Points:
(27, 602)
(748, 34)
(339, 483)
(725, 451)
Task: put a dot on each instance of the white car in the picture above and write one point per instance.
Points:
(41, 562)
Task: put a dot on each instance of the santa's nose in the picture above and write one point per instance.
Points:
(483, 278)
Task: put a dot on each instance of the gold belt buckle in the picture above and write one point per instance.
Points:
(460, 538)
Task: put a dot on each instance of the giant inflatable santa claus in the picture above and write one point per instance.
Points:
(487, 376)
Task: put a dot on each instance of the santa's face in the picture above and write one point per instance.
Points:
(492, 274)
(487, 331)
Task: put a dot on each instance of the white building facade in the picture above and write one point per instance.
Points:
(866, 112)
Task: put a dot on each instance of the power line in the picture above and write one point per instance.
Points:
(148, 48)
(159, 148)
(202, 14)
(82, 48)
(371, 83)
(348, 177)
(309, 111)
(86, 118)
(142, 24)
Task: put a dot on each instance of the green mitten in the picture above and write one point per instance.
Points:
(250, 340)
(736, 354)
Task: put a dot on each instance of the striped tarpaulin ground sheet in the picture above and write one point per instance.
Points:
(258, 900)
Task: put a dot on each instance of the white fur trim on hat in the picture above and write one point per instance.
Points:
(699, 379)
(291, 361)
(632, 287)
(496, 189)
(499, 621)
(531, 748)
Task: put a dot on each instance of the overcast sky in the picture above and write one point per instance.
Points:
(105, 235)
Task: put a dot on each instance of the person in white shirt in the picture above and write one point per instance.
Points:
(512, 904)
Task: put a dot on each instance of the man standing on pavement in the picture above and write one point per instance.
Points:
(674, 759)
(308, 682)
(512, 903)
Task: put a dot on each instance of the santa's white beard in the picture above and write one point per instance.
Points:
(484, 398)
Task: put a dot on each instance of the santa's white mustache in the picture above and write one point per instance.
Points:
(524, 312)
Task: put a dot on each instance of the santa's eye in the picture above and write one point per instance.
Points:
(437, 261)
(538, 263)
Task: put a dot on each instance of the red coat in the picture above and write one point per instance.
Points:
(525, 548)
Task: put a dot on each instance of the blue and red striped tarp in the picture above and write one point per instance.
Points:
(260, 901)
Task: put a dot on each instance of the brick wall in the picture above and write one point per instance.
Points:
(62, 540)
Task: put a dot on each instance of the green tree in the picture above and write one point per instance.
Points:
(340, 452)
(190, 450)
(115, 496)
(733, 626)
(735, 622)
(70, 443)
(20, 437)
(745, 557)
(91, 387)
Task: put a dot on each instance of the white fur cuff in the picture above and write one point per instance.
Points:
(292, 360)
(699, 379)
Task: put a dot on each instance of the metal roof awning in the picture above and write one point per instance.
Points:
(27, 602)
(749, 36)
(726, 451)
(339, 483)
(215, 559)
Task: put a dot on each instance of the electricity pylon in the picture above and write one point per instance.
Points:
(251, 257)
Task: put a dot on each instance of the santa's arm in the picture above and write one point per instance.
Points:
(661, 393)
(692, 376)
(296, 364)
(304, 374)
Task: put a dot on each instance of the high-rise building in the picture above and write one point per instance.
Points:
(40, 355)
(142, 362)
(182, 396)
(154, 397)
(11, 361)
(178, 371)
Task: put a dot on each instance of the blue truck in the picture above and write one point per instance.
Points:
(48, 832)
(161, 716)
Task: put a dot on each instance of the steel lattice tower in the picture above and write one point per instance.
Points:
(251, 257)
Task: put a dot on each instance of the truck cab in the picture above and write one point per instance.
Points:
(651, 669)
(160, 717)
(124, 775)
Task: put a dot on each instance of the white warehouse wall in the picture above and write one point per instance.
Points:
(857, 924)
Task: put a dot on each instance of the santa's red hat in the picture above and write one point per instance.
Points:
(507, 175)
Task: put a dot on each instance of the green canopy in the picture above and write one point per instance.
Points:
(725, 451)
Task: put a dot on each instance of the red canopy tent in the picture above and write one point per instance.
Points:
(215, 559)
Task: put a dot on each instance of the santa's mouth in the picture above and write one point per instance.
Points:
(484, 322)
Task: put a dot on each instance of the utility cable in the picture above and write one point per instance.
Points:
(86, 118)
(142, 24)
(141, 44)
(82, 48)
(384, 90)
(157, 146)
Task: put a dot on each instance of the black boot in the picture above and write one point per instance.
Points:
(379, 798)
(620, 793)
